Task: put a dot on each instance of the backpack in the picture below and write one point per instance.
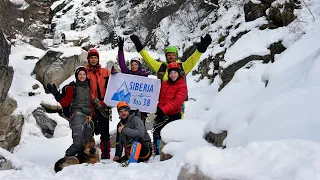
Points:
(163, 68)
(66, 111)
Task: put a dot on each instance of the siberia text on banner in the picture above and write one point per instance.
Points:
(139, 92)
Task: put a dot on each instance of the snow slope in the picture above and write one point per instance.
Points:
(272, 131)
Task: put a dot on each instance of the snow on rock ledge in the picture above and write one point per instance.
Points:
(189, 172)
(277, 160)
(182, 130)
(275, 112)
(10, 125)
(175, 133)
(58, 65)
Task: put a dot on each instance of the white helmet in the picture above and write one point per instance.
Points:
(136, 59)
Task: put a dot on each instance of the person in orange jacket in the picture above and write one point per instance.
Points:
(98, 77)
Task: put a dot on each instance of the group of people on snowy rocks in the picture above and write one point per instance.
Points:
(83, 104)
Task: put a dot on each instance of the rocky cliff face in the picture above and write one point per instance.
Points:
(6, 72)
(160, 23)
(29, 22)
(10, 125)
(155, 22)
(55, 68)
(124, 17)
(277, 14)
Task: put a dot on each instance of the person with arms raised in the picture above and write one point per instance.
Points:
(171, 54)
(136, 68)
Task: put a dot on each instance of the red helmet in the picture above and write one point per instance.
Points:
(93, 52)
(173, 65)
(122, 104)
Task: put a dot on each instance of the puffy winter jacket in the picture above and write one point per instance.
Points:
(126, 70)
(155, 65)
(134, 130)
(98, 81)
(172, 95)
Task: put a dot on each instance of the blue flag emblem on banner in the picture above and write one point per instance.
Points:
(122, 93)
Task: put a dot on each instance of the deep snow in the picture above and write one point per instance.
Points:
(272, 131)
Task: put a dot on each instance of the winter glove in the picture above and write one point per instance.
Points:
(205, 42)
(52, 88)
(114, 70)
(136, 41)
(101, 107)
(120, 43)
(98, 104)
(54, 91)
(160, 115)
(120, 128)
(122, 159)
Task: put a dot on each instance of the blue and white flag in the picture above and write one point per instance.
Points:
(139, 92)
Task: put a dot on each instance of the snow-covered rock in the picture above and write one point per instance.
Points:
(261, 121)
(10, 125)
(46, 124)
(57, 65)
(6, 72)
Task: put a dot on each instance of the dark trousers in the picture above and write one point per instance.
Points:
(81, 132)
(146, 151)
(158, 126)
(144, 154)
(101, 126)
(157, 129)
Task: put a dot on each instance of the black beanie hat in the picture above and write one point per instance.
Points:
(80, 68)
(174, 69)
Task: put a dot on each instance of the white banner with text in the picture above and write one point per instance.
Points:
(139, 92)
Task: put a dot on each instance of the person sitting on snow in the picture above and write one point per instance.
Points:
(172, 56)
(132, 136)
(78, 97)
(173, 92)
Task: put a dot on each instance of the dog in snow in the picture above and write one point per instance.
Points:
(90, 155)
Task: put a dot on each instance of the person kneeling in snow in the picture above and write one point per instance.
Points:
(78, 97)
(173, 92)
(132, 136)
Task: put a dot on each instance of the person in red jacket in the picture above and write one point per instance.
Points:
(98, 78)
(77, 98)
(173, 92)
